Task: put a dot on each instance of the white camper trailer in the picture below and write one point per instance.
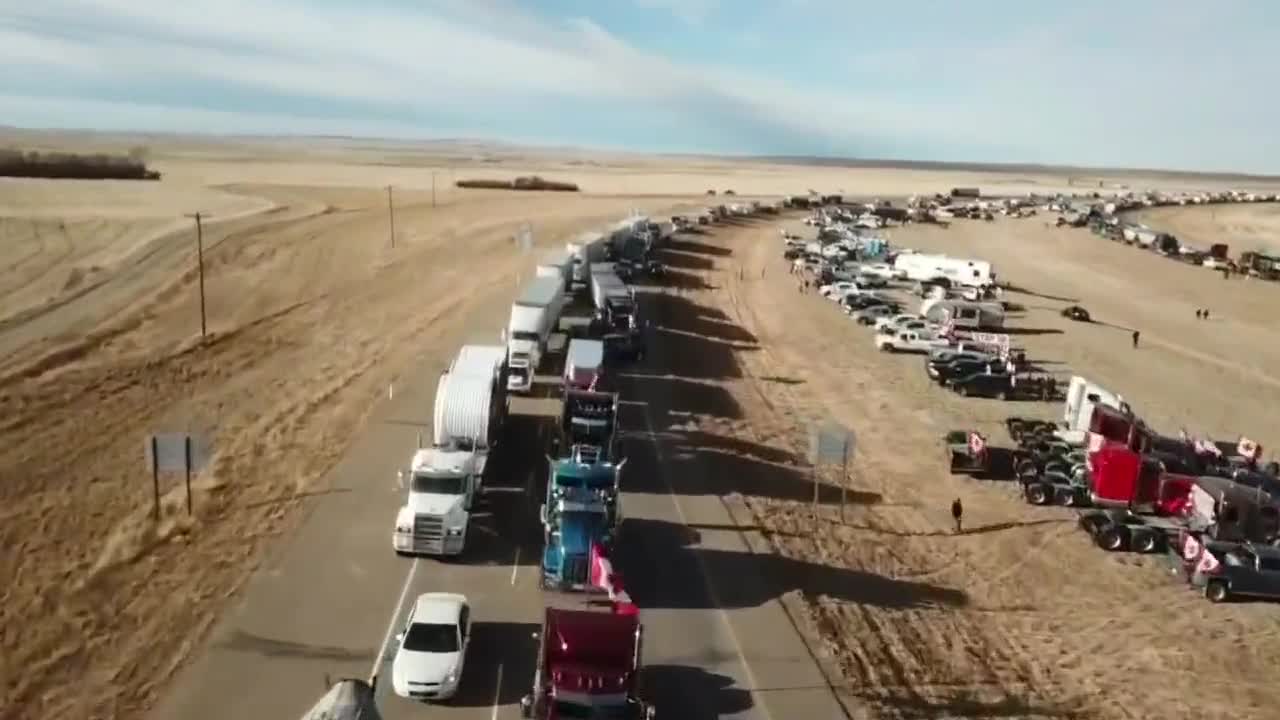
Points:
(958, 271)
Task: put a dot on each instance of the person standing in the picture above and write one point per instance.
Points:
(1199, 313)
(1136, 334)
(957, 512)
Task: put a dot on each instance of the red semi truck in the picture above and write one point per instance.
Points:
(1146, 506)
(588, 666)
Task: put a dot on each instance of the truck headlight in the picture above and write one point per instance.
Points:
(404, 528)
(455, 532)
(452, 677)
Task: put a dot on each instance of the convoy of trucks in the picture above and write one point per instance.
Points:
(535, 315)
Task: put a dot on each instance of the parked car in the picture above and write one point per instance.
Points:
(432, 648)
(911, 341)
(962, 367)
(868, 315)
(884, 270)
(1077, 313)
(895, 320)
(866, 280)
(1240, 570)
(999, 384)
(861, 301)
(837, 289)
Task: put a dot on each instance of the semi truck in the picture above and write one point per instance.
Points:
(534, 316)
(347, 699)
(444, 479)
(584, 363)
(589, 664)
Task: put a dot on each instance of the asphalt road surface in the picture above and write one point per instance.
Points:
(717, 643)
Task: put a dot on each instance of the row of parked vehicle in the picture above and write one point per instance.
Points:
(1213, 507)
(947, 329)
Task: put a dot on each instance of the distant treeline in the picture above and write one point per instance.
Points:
(71, 166)
(527, 182)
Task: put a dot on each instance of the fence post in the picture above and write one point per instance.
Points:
(155, 475)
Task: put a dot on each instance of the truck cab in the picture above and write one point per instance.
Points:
(576, 534)
(588, 667)
(443, 483)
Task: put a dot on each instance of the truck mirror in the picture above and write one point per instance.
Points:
(526, 706)
(650, 712)
(399, 637)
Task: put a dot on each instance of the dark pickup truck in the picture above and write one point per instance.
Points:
(958, 367)
(1238, 570)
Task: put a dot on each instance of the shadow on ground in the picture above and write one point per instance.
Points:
(694, 246)
(962, 704)
(1024, 291)
(691, 693)
(664, 567)
(510, 645)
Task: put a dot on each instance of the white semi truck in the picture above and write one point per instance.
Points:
(534, 316)
(444, 479)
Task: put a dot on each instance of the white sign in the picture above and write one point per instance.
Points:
(171, 452)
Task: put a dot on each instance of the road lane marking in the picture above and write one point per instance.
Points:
(497, 694)
(515, 565)
(391, 625)
(706, 577)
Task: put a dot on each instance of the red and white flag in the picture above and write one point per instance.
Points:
(1208, 563)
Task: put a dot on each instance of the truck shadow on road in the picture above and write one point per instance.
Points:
(691, 693)
(674, 258)
(509, 644)
(967, 705)
(700, 248)
(662, 565)
(696, 398)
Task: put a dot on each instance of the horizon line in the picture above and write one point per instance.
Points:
(809, 160)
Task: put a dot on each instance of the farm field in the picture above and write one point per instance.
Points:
(313, 313)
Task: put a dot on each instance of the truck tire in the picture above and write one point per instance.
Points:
(1216, 591)
(1090, 522)
(1015, 428)
(963, 390)
(1112, 538)
(1002, 395)
(1038, 493)
(1144, 541)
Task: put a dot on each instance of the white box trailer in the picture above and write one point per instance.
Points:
(964, 314)
(557, 264)
(959, 271)
(605, 282)
(534, 316)
(583, 363)
(585, 249)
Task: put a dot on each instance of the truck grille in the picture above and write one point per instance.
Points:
(575, 569)
(428, 533)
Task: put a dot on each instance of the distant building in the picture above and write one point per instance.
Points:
(966, 192)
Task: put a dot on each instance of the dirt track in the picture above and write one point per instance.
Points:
(313, 314)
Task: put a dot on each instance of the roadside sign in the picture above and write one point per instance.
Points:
(167, 452)
(831, 443)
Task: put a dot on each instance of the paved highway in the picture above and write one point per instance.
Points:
(335, 593)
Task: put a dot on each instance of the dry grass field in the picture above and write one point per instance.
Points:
(312, 311)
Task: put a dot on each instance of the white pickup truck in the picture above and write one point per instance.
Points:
(914, 341)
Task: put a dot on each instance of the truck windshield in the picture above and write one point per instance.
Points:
(568, 709)
(439, 484)
(431, 638)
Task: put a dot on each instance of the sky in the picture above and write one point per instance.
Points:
(1176, 84)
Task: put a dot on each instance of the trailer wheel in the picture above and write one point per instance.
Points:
(1090, 522)
(1025, 468)
(1071, 498)
(1015, 428)
(1038, 493)
(1057, 466)
(1217, 591)
(1112, 538)
(1144, 542)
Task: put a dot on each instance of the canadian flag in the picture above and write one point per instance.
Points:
(1191, 549)
(977, 443)
(1208, 563)
(1247, 448)
(601, 568)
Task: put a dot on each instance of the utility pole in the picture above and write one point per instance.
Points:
(204, 327)
(391, 212)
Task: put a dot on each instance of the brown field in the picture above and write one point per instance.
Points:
(312, 310)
